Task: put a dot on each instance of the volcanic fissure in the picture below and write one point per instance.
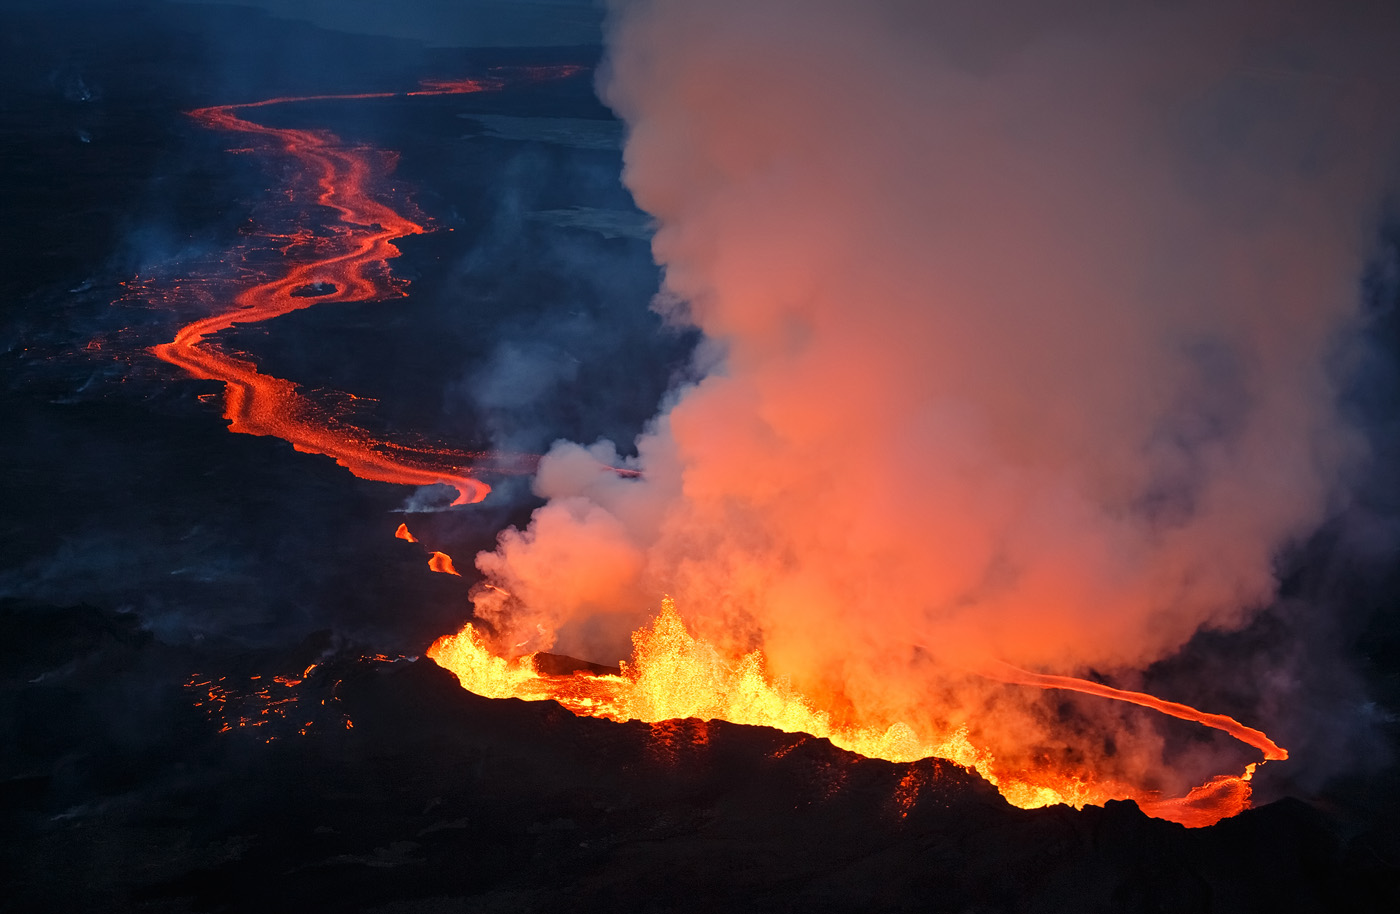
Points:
(673, 673)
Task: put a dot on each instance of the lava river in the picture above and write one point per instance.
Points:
(348, 265)
(672, 674)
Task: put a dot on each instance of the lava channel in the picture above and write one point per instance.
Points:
(349, 266)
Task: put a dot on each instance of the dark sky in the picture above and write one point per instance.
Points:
(452, 23)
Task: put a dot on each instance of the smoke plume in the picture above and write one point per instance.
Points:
(1017, 317)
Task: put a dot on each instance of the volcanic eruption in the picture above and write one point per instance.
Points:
(1016, 440)
(347, 264)
(1016, 371)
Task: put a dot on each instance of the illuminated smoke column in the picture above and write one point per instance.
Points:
(1017, 327)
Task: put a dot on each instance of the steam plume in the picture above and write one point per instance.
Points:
(1017, 322)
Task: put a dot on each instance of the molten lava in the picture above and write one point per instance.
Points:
(352, 261)
(349, 265)
(441, 563)
(273, 707)
(674, 675)
(1257, 739)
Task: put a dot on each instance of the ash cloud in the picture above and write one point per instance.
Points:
(1024, 320)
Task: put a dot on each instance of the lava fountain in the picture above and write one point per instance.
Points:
(915, 468)
(674, 675)
(1018, 336)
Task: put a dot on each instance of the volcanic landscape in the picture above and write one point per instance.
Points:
(299, 322)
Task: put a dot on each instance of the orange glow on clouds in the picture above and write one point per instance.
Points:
(1018, 331)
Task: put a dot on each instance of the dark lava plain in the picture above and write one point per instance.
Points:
(158, 573)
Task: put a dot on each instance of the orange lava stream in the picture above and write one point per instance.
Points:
(673, 675)
(441, 563)
(351, 266)
(1248, 735)
(258, 404)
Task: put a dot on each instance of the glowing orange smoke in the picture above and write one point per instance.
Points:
(403, 534)
(674, 675)
(441, 563)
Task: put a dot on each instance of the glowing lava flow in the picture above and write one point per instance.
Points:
(441, 563)
(350, 265)
(1248, 735)
(673, 675)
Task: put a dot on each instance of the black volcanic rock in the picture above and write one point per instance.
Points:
(152, 762)
(415, 795)
(314, 290)
(562, 665)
